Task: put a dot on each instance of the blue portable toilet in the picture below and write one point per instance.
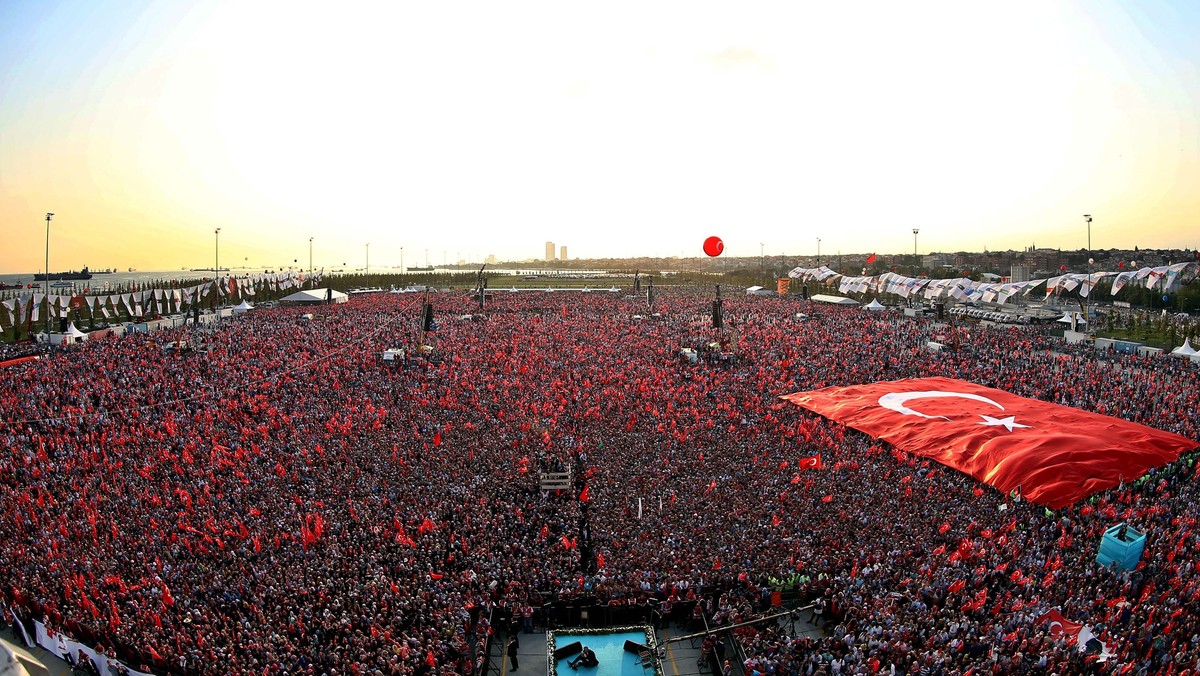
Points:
(1121, 545)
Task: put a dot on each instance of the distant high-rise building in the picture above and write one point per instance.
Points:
(549, 251)
(491, 259)
(562, 252)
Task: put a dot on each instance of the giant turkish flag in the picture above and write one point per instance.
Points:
(1057, 455)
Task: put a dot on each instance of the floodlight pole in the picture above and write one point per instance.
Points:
(48, 217)
(217, 265)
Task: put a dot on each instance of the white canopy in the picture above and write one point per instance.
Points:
(1066, 318)
(1185, 350)
(243, 306)
(836, 300)
(874, 306)
(74, 332)
(313, 297)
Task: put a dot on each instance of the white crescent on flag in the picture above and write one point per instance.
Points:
(897, 401)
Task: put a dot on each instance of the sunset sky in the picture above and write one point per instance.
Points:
(615, 128)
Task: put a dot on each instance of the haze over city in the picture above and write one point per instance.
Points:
(622, 129)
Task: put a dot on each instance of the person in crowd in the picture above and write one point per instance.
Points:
(284, 503)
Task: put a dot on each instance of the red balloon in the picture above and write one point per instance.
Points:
(713, 246)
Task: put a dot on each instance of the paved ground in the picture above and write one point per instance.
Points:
(38, 656)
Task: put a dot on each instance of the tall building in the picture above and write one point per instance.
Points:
(549, 251)
(562, 252)
(491, 259)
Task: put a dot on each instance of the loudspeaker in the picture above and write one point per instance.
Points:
(427, 317)
(328, 295)
(718, 320)
(62, 325)
(635, 648)
(804, 292)
(568, 650)
(940, 308)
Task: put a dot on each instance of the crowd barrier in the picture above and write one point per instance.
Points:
(68, 649)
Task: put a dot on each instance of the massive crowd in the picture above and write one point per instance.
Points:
(281, 501)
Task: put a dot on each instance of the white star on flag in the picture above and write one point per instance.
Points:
(1008, 422)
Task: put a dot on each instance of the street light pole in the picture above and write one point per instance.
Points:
(402, 261)
(915, 254)
(48, 217)
(818, 252)
(1087, 301)
(368, 265)
(217, 264)
(310, 267)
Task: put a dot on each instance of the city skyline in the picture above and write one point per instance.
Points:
(631, 131)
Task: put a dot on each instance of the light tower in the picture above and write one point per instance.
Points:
(48, 217)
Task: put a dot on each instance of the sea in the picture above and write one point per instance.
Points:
(122, 280)
(99, 283)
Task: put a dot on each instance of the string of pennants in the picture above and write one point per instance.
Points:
(29, 306)
(1166, 278)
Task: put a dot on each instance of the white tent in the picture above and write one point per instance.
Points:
(241, 307)
(1185, 350)
(836, 300)
(314, 297)
(874, 306)
(1067, 318)
(75, 333)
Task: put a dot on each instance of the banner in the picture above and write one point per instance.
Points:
(783, 285)
(1053, 455)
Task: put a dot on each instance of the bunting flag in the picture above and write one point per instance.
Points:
(1055, 455)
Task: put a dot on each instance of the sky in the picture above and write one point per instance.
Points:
(456, 130)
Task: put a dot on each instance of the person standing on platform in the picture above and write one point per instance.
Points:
(511, 651)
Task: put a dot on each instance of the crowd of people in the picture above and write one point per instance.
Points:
(283, 501)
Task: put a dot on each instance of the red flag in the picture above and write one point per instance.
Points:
(871, 258)
(585, 495)
(600, 560)
(1058, 455)
(1058, 625)
(167, 599)
(827, 498)
(437, 438)
(809, 463)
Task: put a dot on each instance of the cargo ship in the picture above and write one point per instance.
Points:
(59, 276)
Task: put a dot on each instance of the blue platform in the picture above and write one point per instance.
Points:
(1123, 552)
(609, 649)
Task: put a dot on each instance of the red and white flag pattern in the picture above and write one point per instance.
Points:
(1055, 455)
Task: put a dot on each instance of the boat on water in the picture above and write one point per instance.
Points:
(62, 285)
(60, 276)
(105, 271)
(16, 285)
(209, 270)
(416, 268)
